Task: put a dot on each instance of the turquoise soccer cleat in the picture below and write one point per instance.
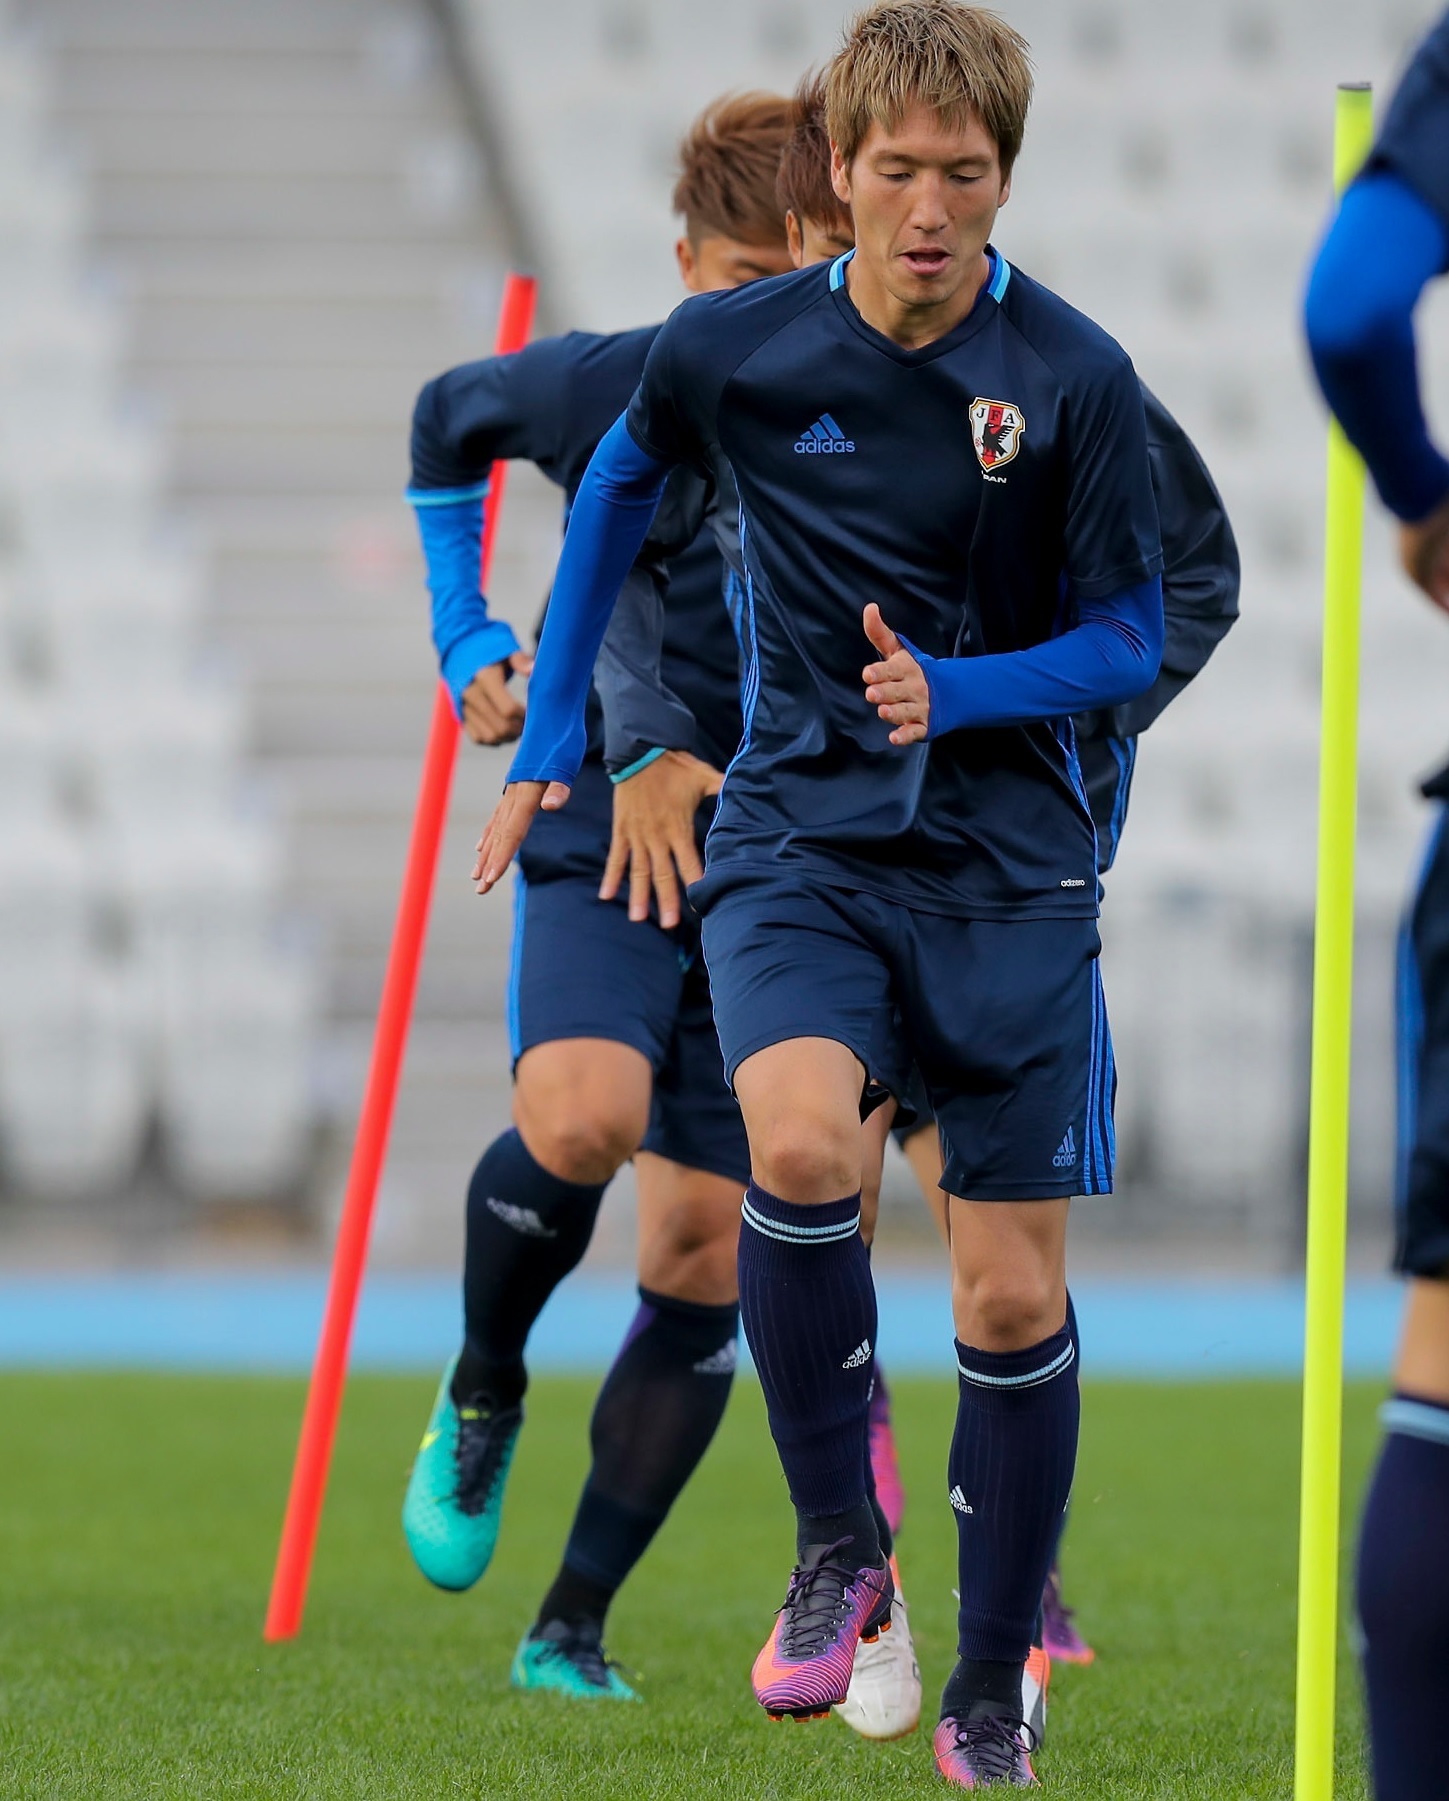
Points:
(567, 1658)
(455, 1494)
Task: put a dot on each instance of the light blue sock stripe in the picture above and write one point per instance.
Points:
(773, 1228)
(1416, 1419)
(1032, 1379)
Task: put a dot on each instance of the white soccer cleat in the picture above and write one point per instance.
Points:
(884, 1698)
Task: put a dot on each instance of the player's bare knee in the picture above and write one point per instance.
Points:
(800, 1159)
(583, 1145)
(1006, 1309)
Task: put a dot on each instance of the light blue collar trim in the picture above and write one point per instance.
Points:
(837, 270)
(1000, 277)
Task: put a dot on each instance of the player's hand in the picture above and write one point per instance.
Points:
(492, 715)
(508, 827)
(1425, 551)
(896, 686)
(653, 838)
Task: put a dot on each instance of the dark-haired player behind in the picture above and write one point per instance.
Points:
(613, 1041)
(1200, 584)
(907, 875)
(1388, 241)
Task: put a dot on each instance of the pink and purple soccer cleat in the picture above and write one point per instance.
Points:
(1064, 1644)
(988, 1749)
(830, 1607)
(885, 1467)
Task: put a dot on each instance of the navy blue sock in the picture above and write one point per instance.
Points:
(654, 1419)
(808, 1306)
(1010, 1474)
(1076, 1339)
(526, 1231)
(1403, 1602)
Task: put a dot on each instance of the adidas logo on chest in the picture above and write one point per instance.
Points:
(824, 438)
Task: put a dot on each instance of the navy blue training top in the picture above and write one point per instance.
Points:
(984, 490)
(550, 404)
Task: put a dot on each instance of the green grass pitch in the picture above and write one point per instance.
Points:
(138, 1519)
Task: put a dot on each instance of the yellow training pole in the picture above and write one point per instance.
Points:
(1328, 1106)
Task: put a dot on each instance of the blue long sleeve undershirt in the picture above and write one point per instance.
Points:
(1383, 248)
(610, 520)
(466, 638)
(1110, 656)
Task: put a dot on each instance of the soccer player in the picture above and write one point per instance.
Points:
(1388, 241)
(1200, 583)
(902, 865)
(613, 1040)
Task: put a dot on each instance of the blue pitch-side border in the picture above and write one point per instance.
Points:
(1172, 1330)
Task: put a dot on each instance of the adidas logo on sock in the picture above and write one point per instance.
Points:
(1066, 1151)
(859, 1357)
(522, 1219)
(824, 438)
(719, 1363)
(959, 1501)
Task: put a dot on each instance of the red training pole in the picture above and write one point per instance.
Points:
(329, 1371)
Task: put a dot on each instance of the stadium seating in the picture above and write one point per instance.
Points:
(139, 901)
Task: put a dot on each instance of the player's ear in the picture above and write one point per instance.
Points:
(839, 175)
(1005, 192)
(794, 238)
(688, 262)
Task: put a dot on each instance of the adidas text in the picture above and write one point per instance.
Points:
(824, 438)
(959, 1501)
(1066, 1151)
(859, 1357)
(522, 1219)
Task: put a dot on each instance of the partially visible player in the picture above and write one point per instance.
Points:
(615, 1054)
(1389, 240)
(1200, 583)
(903, 865)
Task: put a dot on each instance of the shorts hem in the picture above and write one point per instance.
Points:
(607, 1035)
(702, 1166)
(754, 1046)
(1026, 1191)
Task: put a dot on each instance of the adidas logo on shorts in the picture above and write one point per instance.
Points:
(959, 1501)
(719, 1363)
(522, 1219)
(859, 1357)
(1066, 1155)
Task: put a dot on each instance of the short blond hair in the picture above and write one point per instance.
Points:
(727, 167)
(963, 62)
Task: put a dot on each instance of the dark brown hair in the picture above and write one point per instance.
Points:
(961, 61)
(727, 165)
(803, 185)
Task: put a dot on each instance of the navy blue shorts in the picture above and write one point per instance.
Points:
(1005, 1022)
(1422, 1236)
(581, 969)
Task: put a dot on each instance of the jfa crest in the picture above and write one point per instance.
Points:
(996, 431)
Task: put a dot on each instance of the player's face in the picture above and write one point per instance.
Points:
(715, 263)
(811, 241)
(924, 197)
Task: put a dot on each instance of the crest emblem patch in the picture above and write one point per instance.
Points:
(997, 427)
